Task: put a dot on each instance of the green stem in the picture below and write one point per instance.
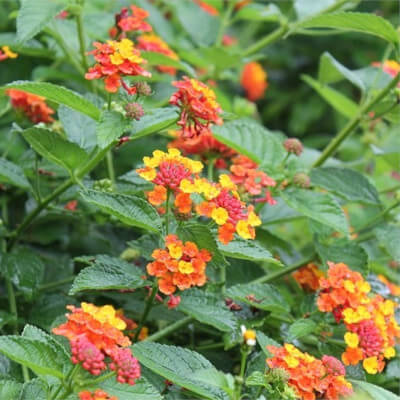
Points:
(167, 212)
(98, 380)
(37, 179)
(81, 36)
(52, 285)
(224, 22)
(391, 189)
(169, 329)
(12, 301)
(210, 169)
(222, 277)
(211, 346)
(243, 360)
(110, 167)
(353, 123)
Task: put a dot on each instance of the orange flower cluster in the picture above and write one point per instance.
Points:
(96, 333)
(308, 277)
(310, 377)
(370, 320)
(254, 81)
(97, 395)
(6, 52)
(393, 288)
(132, 20)
(180, 265)
(152, 42)
(114, 60)
(208, 8)
(34, 107)
(198, 106)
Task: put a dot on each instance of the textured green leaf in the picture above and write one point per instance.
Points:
(33, 16)
(154, 121)
(263, 340)
(337, 100)
(301, 328)
(52, 146)
(251, 139)
(207, 308)
(13, 174)
(179, 366)
(389, 238)
(111, 126)
(40, 357)
(35, 389)
(320, 207)
(347, 183)
(108, 273)
(259, 12)
(9, 390)
(58, 94)
(280, 212)
(161, 59)
(131, 210)
(368, 391)
(354, 21)
(259, 295)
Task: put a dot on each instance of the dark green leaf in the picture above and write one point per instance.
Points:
(111, 126)
(300, 328)
(13, 174)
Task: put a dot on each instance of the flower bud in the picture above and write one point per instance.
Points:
(143, 88)
(301, 179)
(104, 185)
(134, 111)
(293, 145)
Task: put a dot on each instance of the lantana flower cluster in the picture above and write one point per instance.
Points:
(96, 395)
(180, 265)
(308, 277)
(95, 335)
(130, 19)
(310, 377)
(370, 321)
(254, 80)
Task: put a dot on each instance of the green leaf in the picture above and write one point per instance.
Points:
(259, 12)
(337, 100)
(131, 210)
(346, 183)
(257, 378)
(251, 139)
(156, 59)
(34, 16)
(31, 47)
(367, 23)
(13, 174)
(40, 357)
(259, 295)
(389, 238)
(58, 94)
(9, 390)
(263, 340)
(220, 57)
(108, 273)
(368, 391)
(179, 366)
(320, 207)
(111, 126)
(307, 8)
(153, 121)
(25, 269)
(300, 328)
(35, 389)
(207, 308)
(52, 146)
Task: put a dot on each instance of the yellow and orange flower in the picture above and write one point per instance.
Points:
(198, 106)
(310, 377)
(308, 277)
(254, 80)
(114, 60)
(6, 52)
(96, 395)
(152, 42)
(130, 20)
(393, 288)
(34, 107)
(180, 265)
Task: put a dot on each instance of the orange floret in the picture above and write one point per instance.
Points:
(254, 80)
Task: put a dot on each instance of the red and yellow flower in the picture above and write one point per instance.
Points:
(34, 107)
(131, 20)
(254, 80)
(308, 277)
(180, 265)
(310, 377)
(6, 52)
(116, 59)
(96, 395)
(198, 106)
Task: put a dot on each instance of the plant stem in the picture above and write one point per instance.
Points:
(12, 301)
(243, 360)
(81, 36)
(353, 123)
(224, 22)
(169, 329)
(98, 380)
(37, 179)
(391, 189)
(167, 212)
(110, 167)
(210, 346)
(52, 285)
(210, 169)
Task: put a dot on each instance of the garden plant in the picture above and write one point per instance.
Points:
(200, 199)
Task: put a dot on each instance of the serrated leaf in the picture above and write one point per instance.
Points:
(337, 100)
(58, 94)
(52, 146)
(354, 21)
(35, 389)
(108, 273)
(263, 340)
(111, 126)
(179, 366)
(259, 12)
(131, 210)
(300, 328)
(259, 295)
(389, 238)
(33, 16)
(368, 391)
(13, 174)
(154, 121)
(9, 390)
(320, 207)
(347, 183)
(40, 357)
(251, 139)
(207, 308)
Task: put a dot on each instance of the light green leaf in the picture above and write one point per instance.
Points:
(207, 308)
(368, 23)
(179, 366)
(131, 210)
(33, 16)
(259, 12)
(259, 295)
(389, 238)
(263, 340)
(301, 328)
(161, 59)
(337, 100)
(9, 390)
(320, 207)
(36, 389)
(347, 183)
(222, 58)
(58, 94)
(13, 174)
(111, 126)
(52, 146)
(368, 391)
(108, 273)
(306, 8)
